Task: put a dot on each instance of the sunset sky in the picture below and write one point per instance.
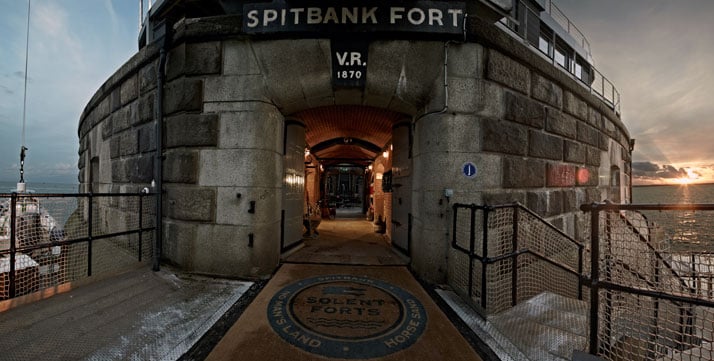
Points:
(658, 53)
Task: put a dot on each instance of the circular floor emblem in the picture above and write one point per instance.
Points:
(345, 316)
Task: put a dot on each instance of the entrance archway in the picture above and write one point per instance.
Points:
(348, 207)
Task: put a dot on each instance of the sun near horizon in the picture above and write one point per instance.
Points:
(694, 175)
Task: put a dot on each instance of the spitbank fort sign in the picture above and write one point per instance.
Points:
(341, 17)
(351, 24)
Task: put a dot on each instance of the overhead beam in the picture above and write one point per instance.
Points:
(346, 141)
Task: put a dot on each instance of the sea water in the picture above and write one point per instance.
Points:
(53, 188)
(60, 208)
(688, 230)
(689, 193)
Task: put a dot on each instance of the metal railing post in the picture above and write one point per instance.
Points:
(554, 43)
(602, 86)
(484, 262)
(514, 264)
(472, 245)
(141, 222)
(90, 219)
(141, 14)
(581, 250)
(595, 278)
(613, 94)
(13, 242)
(655, 320)
(524, 28)
(609, 259)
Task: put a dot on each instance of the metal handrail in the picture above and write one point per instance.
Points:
(514, 253)
(568, 25)
(684, 298)
(14, 249)
(597, 284)
(657, 254)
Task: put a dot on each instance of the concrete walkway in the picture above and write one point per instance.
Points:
(143, 315)
(138, 315)
(347, 241)
(316, 312)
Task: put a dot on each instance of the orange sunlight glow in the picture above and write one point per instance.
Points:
(692, 177)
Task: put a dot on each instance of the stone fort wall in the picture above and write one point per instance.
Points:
(536, 135)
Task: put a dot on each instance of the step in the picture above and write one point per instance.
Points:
(703, 352)
(546, 327)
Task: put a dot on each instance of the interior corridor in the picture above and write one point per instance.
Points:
(347, 239)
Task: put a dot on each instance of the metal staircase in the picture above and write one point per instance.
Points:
(548, 326)
(543, 291)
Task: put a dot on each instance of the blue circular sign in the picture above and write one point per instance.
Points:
(344, 316)
(469, 170)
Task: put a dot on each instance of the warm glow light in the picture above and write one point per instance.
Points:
(692, 177)
(370, 167)
(695, 174)
(582, 175)
(385, 154)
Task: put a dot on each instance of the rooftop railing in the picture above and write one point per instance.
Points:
(559, 16)
(569, 61)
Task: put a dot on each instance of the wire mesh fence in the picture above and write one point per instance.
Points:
(647, 293)
(513, 266)
(514, 257)
(655, 272)
(47, 240)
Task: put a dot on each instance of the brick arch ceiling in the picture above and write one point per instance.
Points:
(368, 124)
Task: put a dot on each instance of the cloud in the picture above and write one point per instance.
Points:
(63, 169)
(664, 76)
(53, 34)
(112, 15)
(644, 167)
(644, 173)
(74, 47)
(648, 172)
(670, 172)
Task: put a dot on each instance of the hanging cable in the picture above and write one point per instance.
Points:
(23, 148)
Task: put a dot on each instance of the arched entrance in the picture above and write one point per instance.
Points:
(349, 213)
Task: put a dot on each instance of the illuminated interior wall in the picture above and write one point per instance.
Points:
(294, 184)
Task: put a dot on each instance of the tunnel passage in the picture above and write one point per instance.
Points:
(349, 151)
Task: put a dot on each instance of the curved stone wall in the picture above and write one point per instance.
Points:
(535, 134)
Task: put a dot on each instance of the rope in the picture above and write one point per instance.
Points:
(23, 148)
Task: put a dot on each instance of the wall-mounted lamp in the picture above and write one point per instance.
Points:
(385, 154)
(370, 167)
